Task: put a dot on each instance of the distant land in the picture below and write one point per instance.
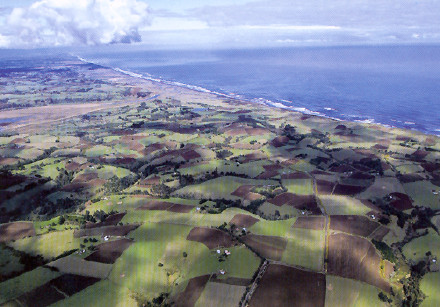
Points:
(123, 191)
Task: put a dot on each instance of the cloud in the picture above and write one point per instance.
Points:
(79, 22)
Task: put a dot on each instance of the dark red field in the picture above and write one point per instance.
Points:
(8, 180)
(400, 201)
(301, 202)
(267, 246)
(192, 291)
(287, 286)
(54, 290)
(405, 178)
(346, 189)
(312, 222)
(211, 237)
(243, 220)
(356, 258)
(325, 187)
(115, 231)
(353, 224)
(110, 251)
(16, 230)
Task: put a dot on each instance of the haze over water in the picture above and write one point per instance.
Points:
(392, 85)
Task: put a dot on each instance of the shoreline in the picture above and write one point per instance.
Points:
(261, 101)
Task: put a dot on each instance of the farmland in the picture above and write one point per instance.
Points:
(155, 194)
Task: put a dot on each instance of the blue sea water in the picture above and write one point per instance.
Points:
(391, 85)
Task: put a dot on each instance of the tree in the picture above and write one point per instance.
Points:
(161, 190)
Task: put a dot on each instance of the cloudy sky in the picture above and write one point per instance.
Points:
(216, 23)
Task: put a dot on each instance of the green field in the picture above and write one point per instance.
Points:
(429, 286)
(272, 228)
(104, 293)
(26, 282)
(221, 187)
(48, 245)
(305, 248)
(349, 292)
(343, 205)
(417, 248)
(137, 269)
(219, 295)
(298, 186)
(421, 193)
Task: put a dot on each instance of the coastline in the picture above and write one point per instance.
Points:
(260, 101)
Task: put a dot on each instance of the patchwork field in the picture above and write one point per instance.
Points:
(287, 286)
(128, 192)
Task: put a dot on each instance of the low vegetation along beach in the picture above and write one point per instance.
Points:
(122, 191)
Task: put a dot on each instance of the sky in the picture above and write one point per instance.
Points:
(217, 23)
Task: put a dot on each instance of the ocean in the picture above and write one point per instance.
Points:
(389, 85)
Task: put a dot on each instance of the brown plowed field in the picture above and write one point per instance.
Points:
(325, 187)
(380, 233)
(189, 155)
(110, 251)
(267, 246)
(72, 166)
(296, 175)
(353, 224)
(192, 292)
(165, 206)
(117, 231)
(241, 191)
(85, 177)
(272, 167)
(243, 220)
(156, 205)
(267, 175)
(279, 141)
(257, 131)
(180, 208)
(369, 204)
(42, 296)
(211, 237)
(150, 181)
(307, 202)
(49, 293)
(356, 258)
(71, 284)
(16, 230)
(312, 222)
(287, 286)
